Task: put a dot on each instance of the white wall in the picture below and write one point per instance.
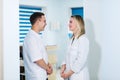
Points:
(1, 55)
(93, 22)
(10, 37)
(110, 65)
(102, 24)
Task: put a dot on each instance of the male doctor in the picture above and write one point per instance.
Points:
(34, 53)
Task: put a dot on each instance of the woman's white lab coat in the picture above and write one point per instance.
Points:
(76, 58)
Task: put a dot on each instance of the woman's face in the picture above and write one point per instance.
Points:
(72, 24)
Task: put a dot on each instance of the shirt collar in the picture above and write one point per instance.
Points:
(34, 33)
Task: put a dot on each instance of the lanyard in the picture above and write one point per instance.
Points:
(72, 41)
(68, 78)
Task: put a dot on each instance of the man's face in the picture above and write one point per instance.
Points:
(42, 23)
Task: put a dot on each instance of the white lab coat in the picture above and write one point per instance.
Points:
(76, 58)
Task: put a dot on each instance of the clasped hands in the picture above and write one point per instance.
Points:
(49, 69)
(65, 74)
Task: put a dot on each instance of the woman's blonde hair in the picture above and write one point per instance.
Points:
(80, 24)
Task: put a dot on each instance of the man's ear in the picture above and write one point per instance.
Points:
(38, 20)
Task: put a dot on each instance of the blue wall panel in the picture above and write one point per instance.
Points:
(78, 11)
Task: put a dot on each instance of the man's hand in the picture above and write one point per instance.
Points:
(65, 75)
(62, 69)
(49, 69)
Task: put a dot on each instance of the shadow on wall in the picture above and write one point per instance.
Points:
(94, 56)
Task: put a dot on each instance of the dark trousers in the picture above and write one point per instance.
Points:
(47, 79)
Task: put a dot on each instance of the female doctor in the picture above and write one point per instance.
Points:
(74, 66)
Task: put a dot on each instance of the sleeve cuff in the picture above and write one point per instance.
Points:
(63, 63)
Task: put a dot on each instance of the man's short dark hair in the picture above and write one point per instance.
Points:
(35, 16)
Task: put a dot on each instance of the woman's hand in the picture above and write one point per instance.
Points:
(62, 69)
(67, 74)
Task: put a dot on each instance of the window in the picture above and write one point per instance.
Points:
(24, 23)
(77, 11)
